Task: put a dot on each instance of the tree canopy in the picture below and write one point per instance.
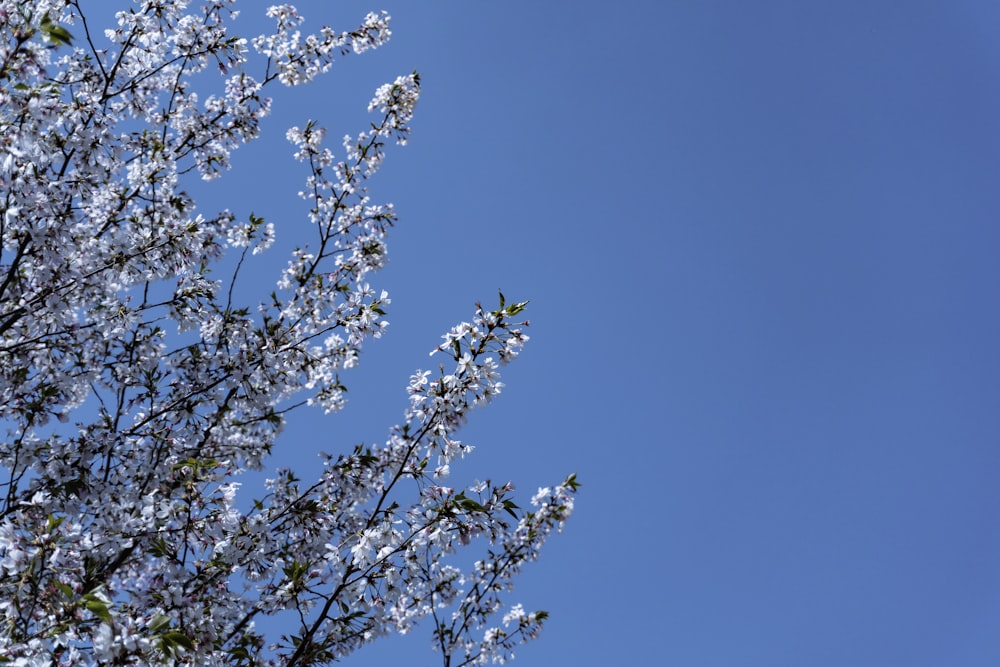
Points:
(134, 389)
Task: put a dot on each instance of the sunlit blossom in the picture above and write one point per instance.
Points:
(135, 387)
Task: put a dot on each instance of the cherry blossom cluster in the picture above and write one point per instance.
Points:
(134, 390)
(300, 60)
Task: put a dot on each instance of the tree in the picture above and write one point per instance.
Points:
(134, 391)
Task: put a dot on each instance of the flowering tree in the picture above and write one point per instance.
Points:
(134, 391)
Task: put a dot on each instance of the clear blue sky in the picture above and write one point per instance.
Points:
(761, 245)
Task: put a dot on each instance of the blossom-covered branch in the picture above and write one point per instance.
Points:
(134, 391)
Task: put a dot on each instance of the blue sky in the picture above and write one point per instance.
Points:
(761, 246)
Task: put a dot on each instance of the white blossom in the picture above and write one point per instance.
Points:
(135, 389)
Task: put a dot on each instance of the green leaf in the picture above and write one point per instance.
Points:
(158, 622)
(97, 607)
(159, 548)
(173, 638)
(55, 33)
(516, 308)
(470, 505)
(240, 653)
